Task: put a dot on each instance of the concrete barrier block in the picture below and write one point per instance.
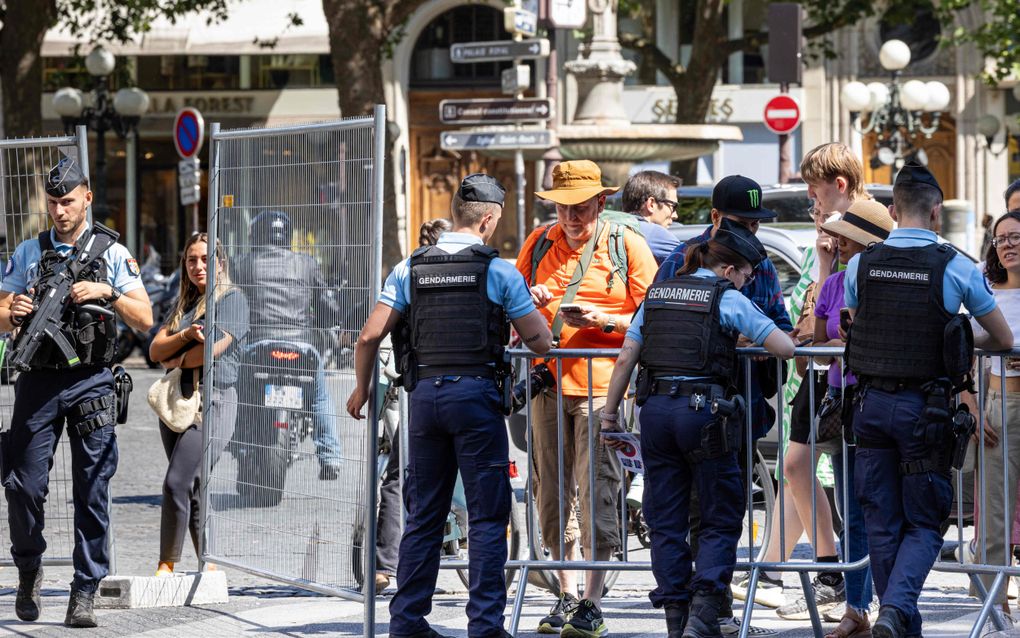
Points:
(137, 592)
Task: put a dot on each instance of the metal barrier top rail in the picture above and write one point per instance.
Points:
(342, 125)
(33, 142)
(806, 351)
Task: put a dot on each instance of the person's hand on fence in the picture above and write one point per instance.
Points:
(1013, 363)
(540, 295)
(610, 422)
(356, 402)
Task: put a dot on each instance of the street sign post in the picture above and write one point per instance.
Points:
(189, 133)
(495, 110)
(189, 181)
(782, 114)
(497, 140)
(499, 50)
(515, 79)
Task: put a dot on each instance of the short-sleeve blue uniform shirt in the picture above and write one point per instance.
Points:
(506, 286)
(962, 285)
(122, 270)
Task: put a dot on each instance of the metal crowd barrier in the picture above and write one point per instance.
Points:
(268, 508)
(24, 167)
(752, 547)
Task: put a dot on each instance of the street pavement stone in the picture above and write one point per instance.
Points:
(260, 606)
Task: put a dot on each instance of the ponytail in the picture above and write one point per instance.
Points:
(695, 259)
(709, 254)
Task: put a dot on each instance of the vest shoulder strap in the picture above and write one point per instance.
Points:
(45, 243)
(618, 251)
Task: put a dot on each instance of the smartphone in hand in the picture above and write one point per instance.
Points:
(845, 320)
(573, 307)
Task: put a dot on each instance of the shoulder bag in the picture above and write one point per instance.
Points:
(171, 406)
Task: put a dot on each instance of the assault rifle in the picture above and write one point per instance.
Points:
(53, 298)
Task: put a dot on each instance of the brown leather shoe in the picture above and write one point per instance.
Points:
(852, 625)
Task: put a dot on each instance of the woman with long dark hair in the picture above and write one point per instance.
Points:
(180, 343)
(685, 338)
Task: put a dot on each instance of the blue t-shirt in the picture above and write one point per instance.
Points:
(506, 286)
(660, 240)
(122, 270)
(963, 284)
(736, 312)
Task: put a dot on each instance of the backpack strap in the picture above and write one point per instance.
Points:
(617, 253)
(542, 246)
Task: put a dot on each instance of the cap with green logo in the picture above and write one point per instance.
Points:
(739, 195)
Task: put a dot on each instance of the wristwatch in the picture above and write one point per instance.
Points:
(114, 294)
(610, 326)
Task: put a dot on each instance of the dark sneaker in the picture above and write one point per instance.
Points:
(428, 633)
(79, 609)
(28, 603)
(585, 622)
(826, 597)
(890, 624)
(328, 472)
(769, 592)
(553, 623)
(731, 627)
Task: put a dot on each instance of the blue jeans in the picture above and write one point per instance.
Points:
(454, 423)
(324, 432)
(854, 543)
(903, 512)
(669, 428)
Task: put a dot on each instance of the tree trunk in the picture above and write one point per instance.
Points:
(357, 67)
(25, 25)
(694, 87)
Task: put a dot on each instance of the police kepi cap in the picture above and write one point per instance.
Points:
(914, 173)
(739, 195)
(479, 187)
(64, 177)
(740, 240)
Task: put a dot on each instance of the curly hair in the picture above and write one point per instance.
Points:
(994, 270)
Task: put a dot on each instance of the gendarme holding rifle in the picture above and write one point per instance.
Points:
(62, 290)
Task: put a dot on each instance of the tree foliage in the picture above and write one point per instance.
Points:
(996, 39)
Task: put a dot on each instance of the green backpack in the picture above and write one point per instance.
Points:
(618, 224)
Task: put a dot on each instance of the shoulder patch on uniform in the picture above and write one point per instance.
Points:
(132, 266)
(10, 267)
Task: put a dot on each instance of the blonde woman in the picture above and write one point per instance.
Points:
(180, 343)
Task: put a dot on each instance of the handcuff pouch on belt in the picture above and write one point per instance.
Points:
(720, 436)
(102, 411)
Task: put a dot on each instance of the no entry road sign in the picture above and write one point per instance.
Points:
(499, 50)
(782, 114)
(189, 132)
(495, 110)
(496, 140)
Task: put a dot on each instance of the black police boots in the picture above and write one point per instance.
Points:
(28, 603)
(676, 619)
(890, 624)
(79, 608)
(704, 616)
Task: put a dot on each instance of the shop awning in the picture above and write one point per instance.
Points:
(250, 23)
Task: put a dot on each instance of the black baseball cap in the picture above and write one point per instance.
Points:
(479, 187)
(739, 195)
(64, 177)
(914, 173)
(740, 240)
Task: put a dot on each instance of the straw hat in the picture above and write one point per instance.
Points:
(865, 222)
(575, 182)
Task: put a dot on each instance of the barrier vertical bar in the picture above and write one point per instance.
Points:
(371, 479)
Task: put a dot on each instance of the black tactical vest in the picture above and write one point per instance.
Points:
(682, 332)
(93, 337)
(455, 329)
(898, 330)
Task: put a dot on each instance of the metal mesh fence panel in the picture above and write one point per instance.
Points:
(24, 166)
(296, 213)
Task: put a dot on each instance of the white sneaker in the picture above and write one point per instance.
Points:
(636, 491)
(769, 593)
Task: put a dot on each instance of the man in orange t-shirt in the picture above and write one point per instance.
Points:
(598, 316)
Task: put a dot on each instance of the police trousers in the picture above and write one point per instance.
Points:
(43, 400)
(454, 423)
(670, 429)
(903, 512)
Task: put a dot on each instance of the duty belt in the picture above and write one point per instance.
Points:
(893, 385)
(427, 372)
(674, 388)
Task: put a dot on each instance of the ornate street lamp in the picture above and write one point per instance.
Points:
(100, 113)
(896, 110)
(988, 127)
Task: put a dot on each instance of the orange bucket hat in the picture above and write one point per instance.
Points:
(574, 182)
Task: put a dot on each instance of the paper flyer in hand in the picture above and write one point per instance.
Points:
(630, 456)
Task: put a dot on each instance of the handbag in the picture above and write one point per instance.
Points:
(171, 406)
(829, 424)
(806, 321)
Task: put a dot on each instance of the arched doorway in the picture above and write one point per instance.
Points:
(435, 173)
(941, 151)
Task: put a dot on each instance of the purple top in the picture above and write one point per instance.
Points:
(830, 302)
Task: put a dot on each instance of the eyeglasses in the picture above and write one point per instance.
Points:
(1012, 239)
(748, 276)
(668, 203)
